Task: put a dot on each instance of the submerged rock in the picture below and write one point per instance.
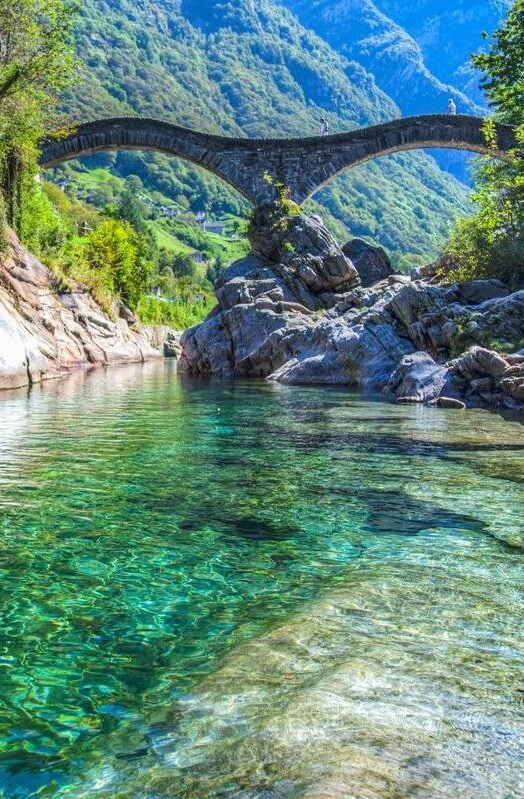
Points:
(448, 402)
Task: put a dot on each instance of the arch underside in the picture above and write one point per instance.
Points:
(323, 182)
(105, 147)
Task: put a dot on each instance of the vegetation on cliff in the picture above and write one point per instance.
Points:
(36, 60)
(112, 249)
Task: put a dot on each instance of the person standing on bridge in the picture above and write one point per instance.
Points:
(452, 108)
(324, 126)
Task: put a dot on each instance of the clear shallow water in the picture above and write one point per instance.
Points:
(246, 591)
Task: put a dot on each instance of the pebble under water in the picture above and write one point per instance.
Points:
(238, 590)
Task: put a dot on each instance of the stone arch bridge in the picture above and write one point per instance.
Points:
(305, 165)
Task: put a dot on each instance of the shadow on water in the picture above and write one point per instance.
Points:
(249, 527)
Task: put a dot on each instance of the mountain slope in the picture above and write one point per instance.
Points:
(359, 29)
(250, 68)
(418, 52)
(448, 33)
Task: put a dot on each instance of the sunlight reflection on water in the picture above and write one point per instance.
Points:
(235, 589)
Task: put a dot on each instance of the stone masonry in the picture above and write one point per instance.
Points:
(304, 165)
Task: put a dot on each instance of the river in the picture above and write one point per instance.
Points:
(238, 590)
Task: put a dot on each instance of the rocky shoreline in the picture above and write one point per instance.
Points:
(46, 333)
(298, 309)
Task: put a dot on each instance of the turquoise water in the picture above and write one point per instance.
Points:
(246, 591)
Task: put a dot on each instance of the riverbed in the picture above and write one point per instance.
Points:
(242, 590)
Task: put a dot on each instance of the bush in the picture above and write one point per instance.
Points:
(117, 253)
(179, 314)
(489, 244)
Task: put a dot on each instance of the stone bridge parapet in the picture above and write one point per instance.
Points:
(305, 165)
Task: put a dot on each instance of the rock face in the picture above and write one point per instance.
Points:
(371, 263)
(295, 311)
(268, 302)
(45, 333)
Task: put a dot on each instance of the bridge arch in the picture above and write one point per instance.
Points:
(348, 150)
(136, 133)
(305, 165)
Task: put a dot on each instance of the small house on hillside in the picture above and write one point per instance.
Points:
(214, 227)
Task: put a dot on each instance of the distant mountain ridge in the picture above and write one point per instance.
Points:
(418, 52)
(251, 67)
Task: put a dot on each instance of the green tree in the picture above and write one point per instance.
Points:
(36, 61)
(131, 209)
(491, 242)
(119, 255)
(503, 67)
(184, 266)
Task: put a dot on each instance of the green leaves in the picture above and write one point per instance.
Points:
(491, 242)
(503, 66)
(36, 62)
(118, 254)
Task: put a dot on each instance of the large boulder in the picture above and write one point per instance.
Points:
(372, 263)
(417, 376)
(512, 382)
(339, 351)
(479, 362)
(303, 253)
(476, 292)
(485, 376)
(248, 339)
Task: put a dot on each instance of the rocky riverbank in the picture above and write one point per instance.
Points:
(301, 309)
(45, 333)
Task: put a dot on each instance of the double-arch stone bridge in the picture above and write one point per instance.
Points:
(304, 165)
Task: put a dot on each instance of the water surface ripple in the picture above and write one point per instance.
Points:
(234, 590)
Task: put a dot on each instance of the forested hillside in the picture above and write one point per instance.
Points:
(249, 68)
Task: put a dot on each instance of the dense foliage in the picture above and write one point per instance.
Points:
(36, 60)
(114, 251)
(491, 242)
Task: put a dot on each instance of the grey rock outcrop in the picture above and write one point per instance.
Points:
(303, 254)
(294, 311)
(45, 333)
(268, 302)
(371, 263)
(485, 376)
(440, 320)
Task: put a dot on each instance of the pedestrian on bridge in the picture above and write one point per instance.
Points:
(324, 126)
(452, 108)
